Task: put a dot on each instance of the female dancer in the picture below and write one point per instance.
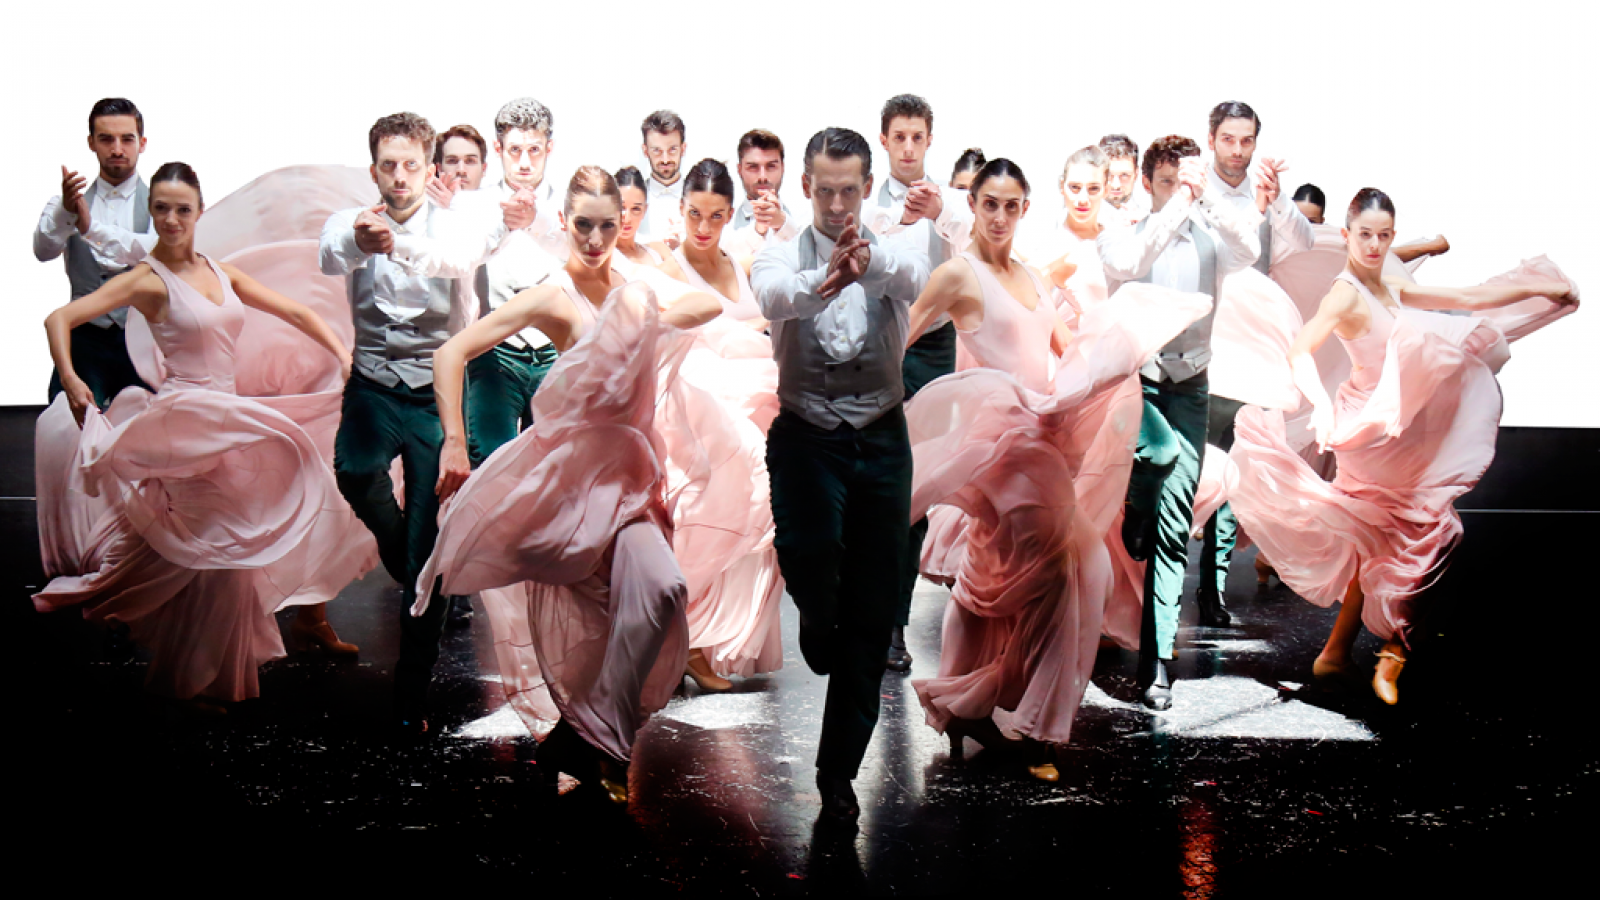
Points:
(1067, 256)
(635, 203)
(192, 515)
(1031, 453)
(1413, 428)
(570, 518)
(967, 166)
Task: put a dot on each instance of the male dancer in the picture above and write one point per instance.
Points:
(762, 217)
(838, 298)
(1189, 242)
(1127, 204)
(1283, 230)
(104, 229)
(409, 291)
(663, 148)
(460, 160)
(936, 222)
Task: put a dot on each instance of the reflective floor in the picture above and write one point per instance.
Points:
(1253, 783)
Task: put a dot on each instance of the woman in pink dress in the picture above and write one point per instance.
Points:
(1413, 428)
(566, 530)
(1029, 451)
(192, 515)
(635, 203)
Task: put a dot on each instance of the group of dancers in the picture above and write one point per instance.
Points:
(632, 414)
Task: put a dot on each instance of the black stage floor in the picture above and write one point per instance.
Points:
(1253, 784)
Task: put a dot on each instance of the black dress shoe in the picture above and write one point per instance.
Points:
(1212, 613)
(816, 647)
(460, 611)
(1137, 535)
(899, 657)
(1157, 687)
(838, 798)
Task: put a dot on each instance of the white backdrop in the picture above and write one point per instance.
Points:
(1477, 119)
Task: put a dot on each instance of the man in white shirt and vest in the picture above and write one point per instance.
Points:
(762, 217)
(1189, 242)
(838, 299)
(410, 289)
(104, 229)
(663, 135)
(1127, 203)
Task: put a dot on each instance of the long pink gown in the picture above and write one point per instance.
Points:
(1415, 427)
(1032, 456)
(192, 515)
(566, 532)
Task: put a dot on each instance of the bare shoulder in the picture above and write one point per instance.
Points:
(954, 275)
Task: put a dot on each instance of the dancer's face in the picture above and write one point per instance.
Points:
(174, 209)
(523, 155)
(1121, 177)
(1083, 189)
(835, 188)
(463, 160)
(1233, 145)
(1368, 237)
(760, 170)
(1312, 211)
(997, 207)
(907, 142)
(1162, 185)
(116, 142)
(634, 205)
(705, 214)
(592, 224)
(665, 152)
(962, 180)
(401, 172)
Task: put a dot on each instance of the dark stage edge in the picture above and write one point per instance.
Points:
(1252, 785)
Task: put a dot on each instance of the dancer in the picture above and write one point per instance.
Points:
(410, 288)
(460, 161)
(707, 211)
(1128, 203)
(104, 229)
(1067, 256)
(966, 168)
(635, 204)
(1311, 202)
(564, 529)
(1189, 243)
(192, 515)
(1413, 429)
(663, 147)
(1023, 540)
(762, 216)
(837, 298)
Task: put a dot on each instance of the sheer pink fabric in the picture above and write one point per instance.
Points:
(1415, 429)
(1038, 479)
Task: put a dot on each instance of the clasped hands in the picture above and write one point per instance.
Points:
(852, 253)
(924, 200)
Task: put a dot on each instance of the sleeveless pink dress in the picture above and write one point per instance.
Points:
(191, 516)
(1415, 427)
(565, 531)
(1030, 457)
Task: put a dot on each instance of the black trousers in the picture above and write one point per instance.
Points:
(840, 503)
(931, 356)
(100, 357)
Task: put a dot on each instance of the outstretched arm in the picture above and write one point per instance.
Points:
(1433, 246)
(692, 310)
(140, 288)
(256, 295)
(1480, 297)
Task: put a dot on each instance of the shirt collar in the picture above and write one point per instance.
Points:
(657, 189)
(1246, 187)
(123, 190)
(897, 188)
(417, 224)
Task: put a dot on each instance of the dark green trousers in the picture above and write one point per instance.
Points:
(377, 424)
(100, 357)
(929, 357)
(1222, 529)
(840, 503)
(1179, 422)
(500, 384)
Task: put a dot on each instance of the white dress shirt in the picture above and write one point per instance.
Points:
(1128, 253)
(111, 236)
(741, 239)
(424, 248)
(664, 217)
(937, 239)
(523, 258)
(1291, 230)
(1129, 213)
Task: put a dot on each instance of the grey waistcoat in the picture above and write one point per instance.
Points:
(825, 392)
(1187, 355)
(1264, 261)
(84, 272)
(391, 352)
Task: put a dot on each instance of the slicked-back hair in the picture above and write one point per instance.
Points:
(1366, 199)
(592, 181)
(709, 175)
(1000, 167)
(180, 172)
(1233, 109)
(630, 176)
(840, 143)
(759, 139)
(1087, 156)
(1120, 146)
(970, 160)
(909, 106)
(1310, 193)
(1166, 152)
(524, 114)
(116, 106)
(402, 125)
(663, 121)
(460, 131)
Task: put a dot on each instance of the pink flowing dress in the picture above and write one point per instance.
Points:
(1415, 427)
(194, 514)
(1031, 455)
(565, 531)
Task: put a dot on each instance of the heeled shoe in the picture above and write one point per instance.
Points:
(984, 731)
(322, 635)
(699, 669)
(1265, 572)
(614, 780)
(1387, 689)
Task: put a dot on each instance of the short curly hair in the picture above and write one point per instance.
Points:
(524, 114)
(1166, 152)
(402, 125)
